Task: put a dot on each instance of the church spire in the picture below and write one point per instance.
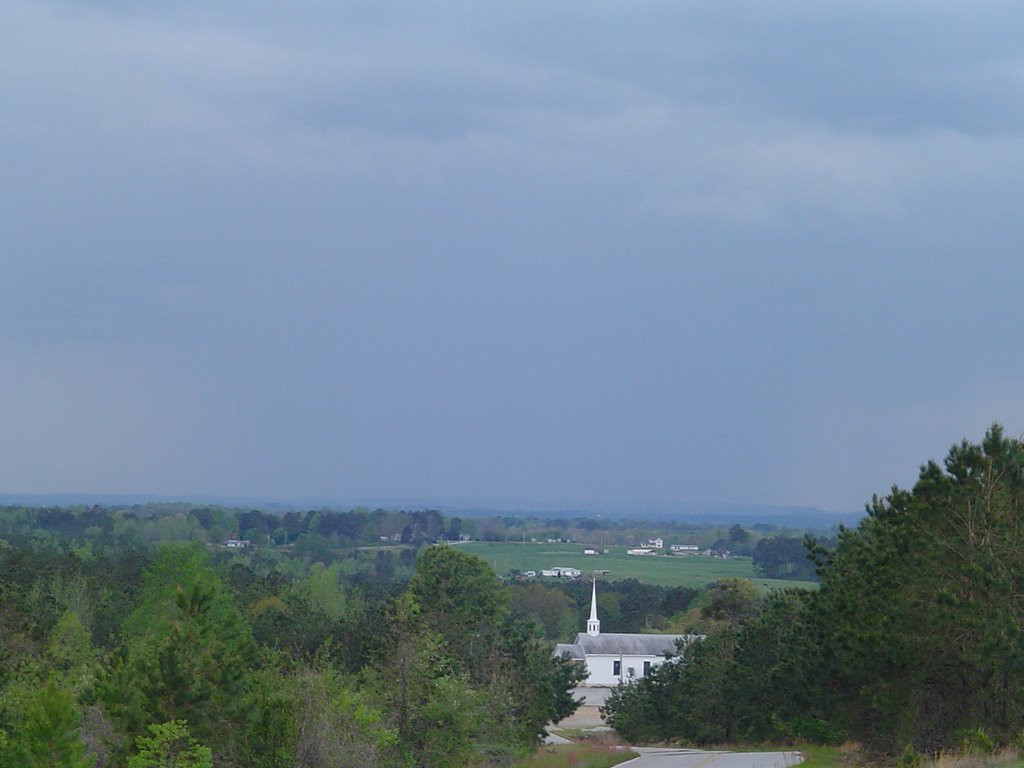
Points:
(593, 626)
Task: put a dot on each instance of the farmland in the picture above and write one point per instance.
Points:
(662, 570)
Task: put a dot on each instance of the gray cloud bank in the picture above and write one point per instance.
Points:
(536, 254)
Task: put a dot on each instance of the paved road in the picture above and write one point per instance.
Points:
(554, 738)
(651, 757)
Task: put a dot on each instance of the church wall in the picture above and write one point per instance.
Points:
(601, 669)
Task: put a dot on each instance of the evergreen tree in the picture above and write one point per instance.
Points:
(49, 735)
(170, 745)
(924, 604)
(187, 655)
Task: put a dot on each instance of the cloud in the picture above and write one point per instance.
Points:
(557, 252)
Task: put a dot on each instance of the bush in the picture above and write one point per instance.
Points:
(976, 741)
(909, 758)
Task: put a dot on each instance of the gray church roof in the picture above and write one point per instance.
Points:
(616, 644)
(572, 650)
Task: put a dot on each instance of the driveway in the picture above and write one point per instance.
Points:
(588, 715)
(654, 757)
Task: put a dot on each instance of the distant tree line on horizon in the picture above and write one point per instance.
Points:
(329, 536)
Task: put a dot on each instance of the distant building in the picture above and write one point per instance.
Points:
(561, 571)
(655, 543)
(237, 543)
(614, 658)
(685, 549)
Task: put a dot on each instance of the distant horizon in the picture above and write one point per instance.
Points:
(640, 511)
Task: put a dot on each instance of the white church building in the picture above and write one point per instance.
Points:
(614, 657)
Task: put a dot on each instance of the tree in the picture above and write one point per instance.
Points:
(454, 532)
(915, 638)
(49, 734)
(335, 725)
(684, 698)
(436, 713)
(459, 598)
(459, 653)
(550, 608)
(71, 654)
(543, 685)
(776, 689)
(922, 606)
(738, 535)
(783, 557)
(755, 682)
(170, 745)
(727, 604)
(187, 654)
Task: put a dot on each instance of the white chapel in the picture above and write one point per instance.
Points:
(614, 658)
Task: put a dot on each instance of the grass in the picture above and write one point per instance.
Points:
(816, 756)
(576, 756)
(850, 756)
(1010, 758)
(660, 570)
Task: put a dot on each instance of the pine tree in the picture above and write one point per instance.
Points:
(49, 736)
(170, 745)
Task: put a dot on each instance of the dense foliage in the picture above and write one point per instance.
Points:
(176, 655)
(329, 536)
(785, 557)
(913, 641)
(182, 634)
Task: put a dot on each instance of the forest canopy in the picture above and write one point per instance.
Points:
(138, 658)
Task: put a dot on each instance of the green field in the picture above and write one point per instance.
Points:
(663, 570)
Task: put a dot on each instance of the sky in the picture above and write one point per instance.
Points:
(527, 255)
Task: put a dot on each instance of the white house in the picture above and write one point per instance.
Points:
(561, 571)
(614, 658)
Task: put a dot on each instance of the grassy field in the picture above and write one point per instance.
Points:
(816, 756)
(663, 570)
(850, 756)
(576, 756)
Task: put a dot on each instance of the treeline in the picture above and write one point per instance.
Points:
(559, 609)
(153, 523)
(786, 557)
(143, 657)
(914, 641)
(294, 540)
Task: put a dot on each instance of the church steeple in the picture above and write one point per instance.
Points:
(593, 625)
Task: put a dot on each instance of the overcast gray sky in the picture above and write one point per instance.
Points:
(534, 254)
